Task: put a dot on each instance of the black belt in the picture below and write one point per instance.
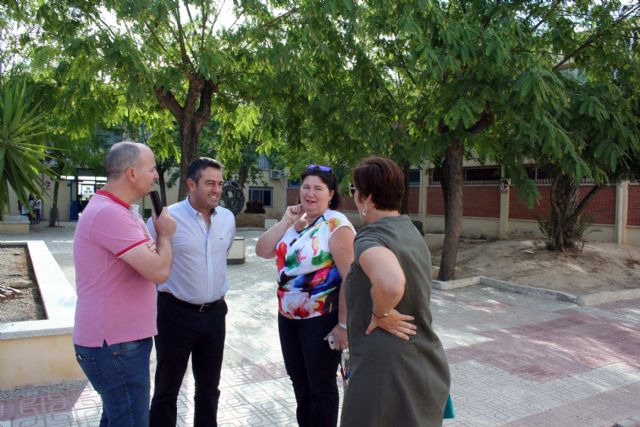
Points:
(199, 307)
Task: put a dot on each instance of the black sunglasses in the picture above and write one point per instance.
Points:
(352, 190)
(321, 168)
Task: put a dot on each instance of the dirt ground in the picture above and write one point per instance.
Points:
(598, 267)
(19, 296)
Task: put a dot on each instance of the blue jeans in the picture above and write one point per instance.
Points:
(120, 374)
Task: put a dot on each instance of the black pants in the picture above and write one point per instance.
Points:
(312, 367)
(182, 331)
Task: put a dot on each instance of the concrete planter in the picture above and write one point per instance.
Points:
(14, 225)
(41, 351)
(252, 220)
(236, 253)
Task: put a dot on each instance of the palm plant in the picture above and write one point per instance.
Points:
(21, 154)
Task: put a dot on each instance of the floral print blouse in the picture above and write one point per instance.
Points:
(308, 279)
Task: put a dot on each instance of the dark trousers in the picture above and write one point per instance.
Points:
(183, 330)
(312, 367)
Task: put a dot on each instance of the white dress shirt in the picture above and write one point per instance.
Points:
(198, 274)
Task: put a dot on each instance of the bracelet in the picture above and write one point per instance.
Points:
(381, 316)
(342, 325)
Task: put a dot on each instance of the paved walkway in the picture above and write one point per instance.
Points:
(516, 360)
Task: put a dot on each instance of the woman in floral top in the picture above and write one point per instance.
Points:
(313, 246)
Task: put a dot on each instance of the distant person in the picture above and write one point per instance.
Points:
(313, 246)
(23, 209)
(399, 372)
(37, 208)
(32, 210)
(117, 266)
(191, 306)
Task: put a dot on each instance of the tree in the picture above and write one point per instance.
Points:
(445, 79)
(178, 51)
(604, 122)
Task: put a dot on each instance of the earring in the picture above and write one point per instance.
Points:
(364, 211)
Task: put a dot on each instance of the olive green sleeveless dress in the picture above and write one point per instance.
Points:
(394, 382)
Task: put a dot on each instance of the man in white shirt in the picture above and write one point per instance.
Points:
(191, 306)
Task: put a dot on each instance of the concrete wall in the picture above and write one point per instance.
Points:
(38, 360)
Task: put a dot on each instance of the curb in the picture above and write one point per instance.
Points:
(609, 296)
(582, 300)
(629, 422)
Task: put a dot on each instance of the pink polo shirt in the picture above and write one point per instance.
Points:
(115, 303)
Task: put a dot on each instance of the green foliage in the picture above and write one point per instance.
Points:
(21, 153)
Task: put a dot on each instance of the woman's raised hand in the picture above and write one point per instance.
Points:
(292, 214)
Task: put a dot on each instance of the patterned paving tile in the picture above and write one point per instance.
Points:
(515, 360)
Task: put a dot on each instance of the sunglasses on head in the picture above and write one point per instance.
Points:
(321, 168)
(352, 190)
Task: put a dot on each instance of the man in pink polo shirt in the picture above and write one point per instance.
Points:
(117, 266)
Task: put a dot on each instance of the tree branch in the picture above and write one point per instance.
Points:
(183, 49)
(204, 109)
(593, 37)
(205, 18)
(583, 204)
(167, 100)
(487, 20)
(186, 6)
(486, 119)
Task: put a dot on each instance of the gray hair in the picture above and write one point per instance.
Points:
(121, 156)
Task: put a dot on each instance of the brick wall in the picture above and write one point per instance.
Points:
(347, 204)
(601, 209)
(481, 201)
(435, 202)
(519, 209)
(414, 200)
(292, 196)
(478, 200)
(633, 210)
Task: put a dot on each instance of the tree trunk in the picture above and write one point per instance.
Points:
(189, 140)
(191, 117)
(564, 228)
(54, 212)
(162, 184)
(243, 173)
(452, 181)
(406, 166)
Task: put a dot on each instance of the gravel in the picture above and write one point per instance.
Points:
(19, 295)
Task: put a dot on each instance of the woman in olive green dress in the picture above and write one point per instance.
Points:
(400, 374)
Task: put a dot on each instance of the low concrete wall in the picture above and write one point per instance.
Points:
(236, 253)
(14, 224)
(41, 351)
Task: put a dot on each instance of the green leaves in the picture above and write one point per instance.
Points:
(21, 156)
(465, 112)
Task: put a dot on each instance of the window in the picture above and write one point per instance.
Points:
(262, 194)
(472, 175)
(414, 177)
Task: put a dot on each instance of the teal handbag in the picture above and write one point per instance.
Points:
(448, 410)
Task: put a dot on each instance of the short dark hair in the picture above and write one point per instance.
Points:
(381, 178)
(195, 168)
(330, 181)
(120, 157)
